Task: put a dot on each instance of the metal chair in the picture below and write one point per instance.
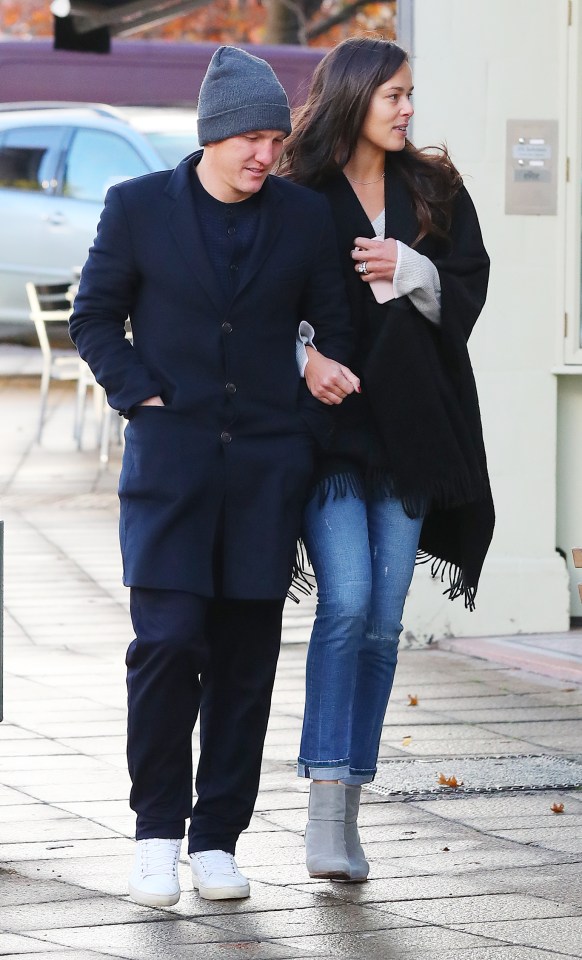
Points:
(50, 309)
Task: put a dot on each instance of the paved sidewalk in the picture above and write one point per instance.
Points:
(471, 873)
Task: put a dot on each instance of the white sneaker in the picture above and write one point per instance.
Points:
(153, 880)
(216, 876)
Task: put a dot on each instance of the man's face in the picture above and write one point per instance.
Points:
(240, 165)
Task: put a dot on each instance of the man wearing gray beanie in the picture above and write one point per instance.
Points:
(240, 93)
(218, 265)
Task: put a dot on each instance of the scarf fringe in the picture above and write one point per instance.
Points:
(338, 486)
(377, 484)
(443, 494)
(441, 569)
(302, 579)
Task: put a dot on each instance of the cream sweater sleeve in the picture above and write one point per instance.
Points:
(417, 278)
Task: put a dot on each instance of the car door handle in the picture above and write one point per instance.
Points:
(55, 219)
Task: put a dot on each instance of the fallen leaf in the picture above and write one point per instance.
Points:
(445, 849)
(569, 689)
(449, 781)
(557, 808)
(412, 700)
(406, 741)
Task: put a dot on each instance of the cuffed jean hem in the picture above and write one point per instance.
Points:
(333, 771)
(359, 777)
(323, 769)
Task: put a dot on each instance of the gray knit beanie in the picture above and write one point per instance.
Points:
(240, 93)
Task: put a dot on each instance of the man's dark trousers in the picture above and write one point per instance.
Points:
(191, 654)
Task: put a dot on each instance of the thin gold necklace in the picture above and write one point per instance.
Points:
(364, 183)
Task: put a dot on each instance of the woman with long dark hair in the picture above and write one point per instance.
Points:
(405, 477)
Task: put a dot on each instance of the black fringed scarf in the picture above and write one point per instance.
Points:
(415, 431)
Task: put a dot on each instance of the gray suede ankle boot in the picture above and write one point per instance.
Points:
(325, 846)
(359, 866)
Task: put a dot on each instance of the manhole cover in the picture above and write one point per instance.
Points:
(476, 775)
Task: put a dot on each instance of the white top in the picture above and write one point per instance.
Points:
(415, 276)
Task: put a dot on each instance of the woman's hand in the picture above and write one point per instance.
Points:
(379, 256)
(328, 380)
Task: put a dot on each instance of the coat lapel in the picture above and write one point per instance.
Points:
(349, 215)
(270, 223)
(351, 219)
(185, 229)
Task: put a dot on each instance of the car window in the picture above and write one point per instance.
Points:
(96, 160)
(28, 157)
(172, 147)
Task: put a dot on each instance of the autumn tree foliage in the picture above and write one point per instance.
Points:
(25, 18)
(234, 21)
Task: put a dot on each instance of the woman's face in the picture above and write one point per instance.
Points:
(390, 110)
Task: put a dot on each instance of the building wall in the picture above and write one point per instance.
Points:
(569, 368)
(475, 66)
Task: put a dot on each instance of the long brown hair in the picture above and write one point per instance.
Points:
(326, 130)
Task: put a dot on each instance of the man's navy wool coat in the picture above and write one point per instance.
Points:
(224, 467)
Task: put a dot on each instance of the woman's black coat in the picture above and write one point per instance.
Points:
(415, 432)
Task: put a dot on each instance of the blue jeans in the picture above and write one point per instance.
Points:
(363, 555)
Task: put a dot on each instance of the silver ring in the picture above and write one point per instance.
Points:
(363, 268)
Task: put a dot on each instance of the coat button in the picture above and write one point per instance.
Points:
(225, 436)
(231, 388)
(227, 327)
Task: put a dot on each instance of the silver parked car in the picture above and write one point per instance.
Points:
(57, 162)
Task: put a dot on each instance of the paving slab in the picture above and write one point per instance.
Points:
(331, 920)
(76, 912)
(394, 943)
(563, 885)
(559, 655)
(266, 898)
(58, 953)
(392, 891)
(464, 808)
(63, 850)
(560, 933)
(478, 909)
(13, 945)
(567, 838)
(52, 830)
(106, 874)
(18, 890)
(511, 953)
